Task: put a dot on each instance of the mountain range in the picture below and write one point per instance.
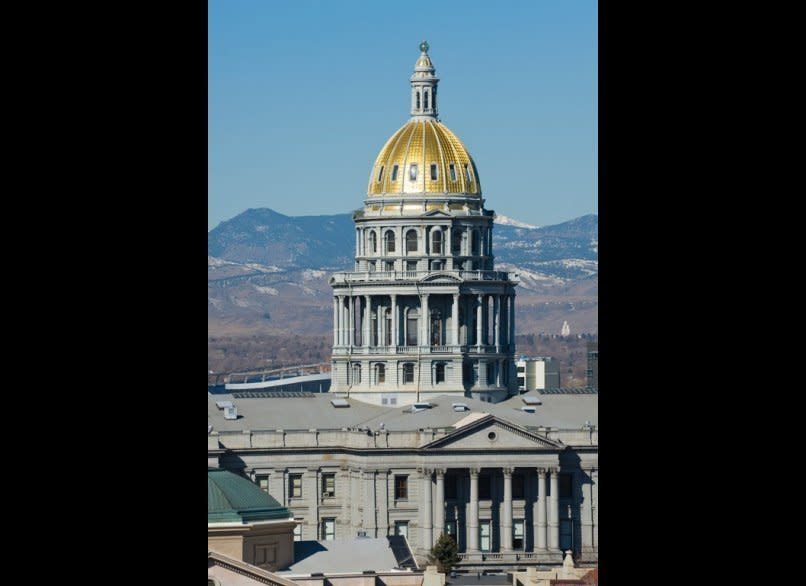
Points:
(269, 272)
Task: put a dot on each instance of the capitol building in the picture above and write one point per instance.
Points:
(424, 313)
(424, 431)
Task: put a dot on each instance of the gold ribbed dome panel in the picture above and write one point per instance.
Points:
(423, 143)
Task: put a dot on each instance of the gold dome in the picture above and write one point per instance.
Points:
(424, 143)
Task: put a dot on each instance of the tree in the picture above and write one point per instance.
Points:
(445, 553)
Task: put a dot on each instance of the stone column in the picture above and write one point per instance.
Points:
(357, 243)
(335, 321)
(479, 319)
(539, 517)
(506, 516)
(512, 321)
(473, 512)
(367, 322)
(394, 320)
(350, 321)
(427, 539)
(447, 249)
(370, 503)
(504, 322)
(383, 506)
(439, 503)
(497, 323)
(426, 321)
(554, 510)
(455, 319)
(586, 515)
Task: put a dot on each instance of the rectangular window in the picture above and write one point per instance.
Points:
(453, 172)
(484, 536)
(517, 486)
(328, 485)
(565, 482)
(467, 172)
(450, 486)
(295, 486)
(384, 401)
(411, 265)
(484, 486)
(390, 265)
(298, 530)
(329, 529)
(402, 528)
(433, 172)
(263, 482)
(411, 331)
(381, 373)
(394, 173)
(517, 534)
(436, 265)
(440, 373)
(566, 534)
(408, 373)
(413, 172)
(380, 174)
(401, 487)
(393, 401)
(450, 529)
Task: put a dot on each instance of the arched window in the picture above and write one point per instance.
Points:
(390, 241)
(413, 172)
(408, 372)
(452, 168)
(418, 100)
(380, 174)
(436, 327)
(469, 175)
(373, 242)
(425, 100)
(436, 241)
(394, 173)
(434, 175)
(411, 241)
(356, 374)
(380, 373)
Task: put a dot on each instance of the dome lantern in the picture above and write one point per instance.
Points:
(424, 86)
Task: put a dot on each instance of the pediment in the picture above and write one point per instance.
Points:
(435, 213)
(439, 276)
(492, 433)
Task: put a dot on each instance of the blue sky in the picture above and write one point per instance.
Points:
(302, 94)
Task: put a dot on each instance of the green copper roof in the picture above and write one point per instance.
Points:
(232, 498)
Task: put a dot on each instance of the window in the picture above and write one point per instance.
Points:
(380, 174)
(566, 534)
(393, 400)
(408, 372)
(565, 482)
(356, 374)
(484, 535)
(521, 368)
(389, 266)
(436, 265)
(388, 332)
(425, 99)
(411, 265)
(411, 241)
(298, 530)
(329, 529)
(474, 242)
(418, 100)
(371, 266)
(402, 528)
(263, 482)
(328, 485)
(467, 172)
(384, 401)
(484, 486)
(394, 173)
(411, 329)
(517, 534)
(433, 171)
(436, 327)
(452, 169)
(413, 172)
(450, 486)
(381, 373)
(390, 241)
(517, 486)
(490, 373)
(436, 242)
(401, 487)
(450, 529)
(295, 486)
(439, 375)
(373, 242)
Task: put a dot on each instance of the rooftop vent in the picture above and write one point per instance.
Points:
(420, 406)
(231, 412)
(223, 404)
(460, 407)
(339, 403)
(531, 400)
(528, 409)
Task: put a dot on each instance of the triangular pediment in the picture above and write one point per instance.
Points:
(491, 432)
(435, 213)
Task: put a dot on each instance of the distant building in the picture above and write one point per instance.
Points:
(537, 373)
(566, 329)
(593, 365)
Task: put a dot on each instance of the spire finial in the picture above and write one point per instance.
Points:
(424, 47)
